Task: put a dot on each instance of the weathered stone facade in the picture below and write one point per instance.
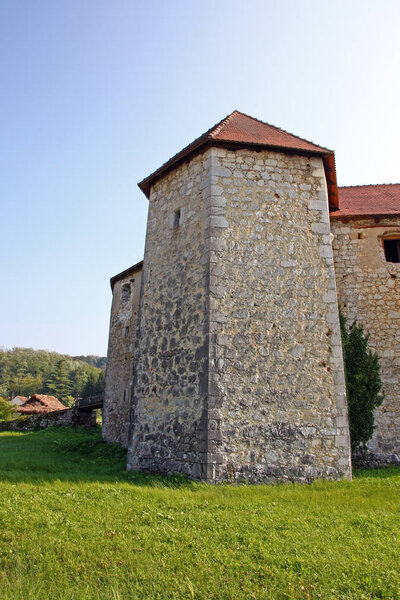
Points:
(276, 360)
(238, 364)
(121, 343)
(171, 356)
(369, 292)
(60, 418)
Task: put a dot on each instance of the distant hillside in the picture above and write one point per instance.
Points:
(96, 361)
(24, 371)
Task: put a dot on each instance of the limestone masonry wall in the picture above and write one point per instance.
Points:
(170, 374)
(121, 343)
(369, 292)
(277, 393)
(238, 366)
(60, 418)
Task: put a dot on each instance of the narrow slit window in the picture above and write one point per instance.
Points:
(126, 292)
(392, 250)
(176, 218)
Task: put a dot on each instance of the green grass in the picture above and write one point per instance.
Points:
(75, 525)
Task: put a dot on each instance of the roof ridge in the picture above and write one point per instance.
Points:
(266, 136)
(360, 185)
(238, 112)
(219, 126)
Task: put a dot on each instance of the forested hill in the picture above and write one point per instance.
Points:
(95, 361)
(24, 371)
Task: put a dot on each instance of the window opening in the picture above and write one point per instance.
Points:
(176, 219)
(126, 292)
(392, 250)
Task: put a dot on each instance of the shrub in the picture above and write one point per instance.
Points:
(7, 411)
(363, 382)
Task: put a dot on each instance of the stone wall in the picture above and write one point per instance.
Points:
(60, 418)
(170, 371)
(276, 371)
(238, 364)
(369, 292)
(118, 382)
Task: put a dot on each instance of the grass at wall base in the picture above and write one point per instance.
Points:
(75, 525)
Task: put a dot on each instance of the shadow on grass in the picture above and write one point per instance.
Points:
(381, 473)
(80, 455)
(71, 454)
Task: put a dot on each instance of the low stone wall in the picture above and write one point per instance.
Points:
(61, 418)
(364, 458)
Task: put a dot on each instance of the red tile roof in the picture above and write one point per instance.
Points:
(364, 200)
(39, 403)
(238, 129)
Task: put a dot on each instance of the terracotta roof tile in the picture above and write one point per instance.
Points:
(40, 403)
(240, 129)
(364, 200)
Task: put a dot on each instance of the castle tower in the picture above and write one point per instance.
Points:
(238, 370)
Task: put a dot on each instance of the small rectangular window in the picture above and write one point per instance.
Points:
(392, 250)
(177, 218)
(126, 292)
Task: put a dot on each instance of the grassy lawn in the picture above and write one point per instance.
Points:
(75, 525)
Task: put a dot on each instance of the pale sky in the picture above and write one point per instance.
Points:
(97, 94)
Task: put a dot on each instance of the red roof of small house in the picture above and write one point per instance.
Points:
(240, 130)
(22, 398)
(368, 200)
(39, 403)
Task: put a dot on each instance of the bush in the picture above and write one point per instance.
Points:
(7, 411)
(363, 382)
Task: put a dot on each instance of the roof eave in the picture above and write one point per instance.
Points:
(125, 273)
(368, 215)
(328, 157)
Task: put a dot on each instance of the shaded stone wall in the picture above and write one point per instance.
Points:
(369, 292)
(170, 373)
(60, 418)
(121, 343)
(276, 371)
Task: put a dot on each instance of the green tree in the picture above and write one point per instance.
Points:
(58, 383)
(24, 371)
(363, 382)
(26, 385)
(95, 383)
(7, 411)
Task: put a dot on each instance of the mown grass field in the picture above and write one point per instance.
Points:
(75, 525)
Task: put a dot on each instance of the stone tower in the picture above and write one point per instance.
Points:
(238, 369)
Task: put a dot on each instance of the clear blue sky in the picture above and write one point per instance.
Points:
(96, 94)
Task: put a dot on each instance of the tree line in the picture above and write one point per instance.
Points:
(24, 371)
